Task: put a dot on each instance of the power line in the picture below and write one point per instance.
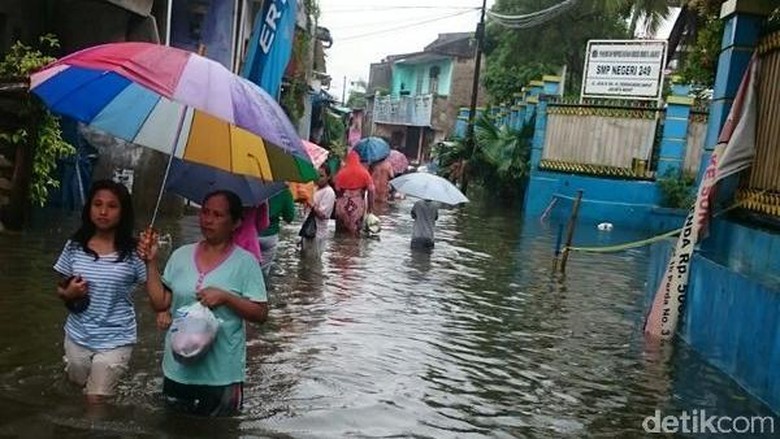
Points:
(533, 19)
(379, 23)
(389, 8)
(382, 31)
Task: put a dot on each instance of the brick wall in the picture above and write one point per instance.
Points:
(445, 109)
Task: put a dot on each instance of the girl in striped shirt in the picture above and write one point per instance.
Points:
(100, 269)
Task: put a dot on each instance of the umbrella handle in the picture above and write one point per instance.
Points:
(168, 167)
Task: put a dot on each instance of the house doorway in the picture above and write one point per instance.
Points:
(412, 143)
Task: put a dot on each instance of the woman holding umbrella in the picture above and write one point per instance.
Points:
(223, 277)
(353, 183)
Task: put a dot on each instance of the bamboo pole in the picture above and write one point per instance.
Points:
(557, 254)
(570, 230)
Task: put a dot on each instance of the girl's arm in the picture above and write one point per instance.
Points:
(71, 288)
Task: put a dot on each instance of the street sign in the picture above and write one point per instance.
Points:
(624, 69)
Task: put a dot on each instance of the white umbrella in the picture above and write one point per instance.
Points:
(429, 187)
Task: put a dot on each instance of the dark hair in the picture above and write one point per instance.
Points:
(124, 241)
(235, 206)
(326, 168)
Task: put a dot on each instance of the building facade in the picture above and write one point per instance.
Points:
(414, 98)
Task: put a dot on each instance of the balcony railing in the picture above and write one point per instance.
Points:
(404, 110)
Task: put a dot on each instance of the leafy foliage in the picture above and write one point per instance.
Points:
(335, 129)
(41, 130)
(313, 7)
(504, 150)
(295, 88)
(500, 161)
(677, 191)
(22, 59)
(701, 61)
(356, 99)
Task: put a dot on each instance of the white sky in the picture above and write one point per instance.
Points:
(351, 56)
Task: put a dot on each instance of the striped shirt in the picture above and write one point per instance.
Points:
(109, 320)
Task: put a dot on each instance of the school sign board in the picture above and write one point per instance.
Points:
(624, 69)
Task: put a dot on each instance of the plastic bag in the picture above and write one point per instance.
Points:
(309, 227)
(372, 225)
(193, 331)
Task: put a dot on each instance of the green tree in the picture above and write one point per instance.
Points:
(357, 94)
(515, 57)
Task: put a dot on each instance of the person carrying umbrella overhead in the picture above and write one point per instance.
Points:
(432, 189)
(425, 213)
(353, 183)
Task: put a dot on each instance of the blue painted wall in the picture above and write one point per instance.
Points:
(624, 203)
(408, 75)
(732, 316)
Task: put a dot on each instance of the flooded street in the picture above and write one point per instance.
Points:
(476, 340)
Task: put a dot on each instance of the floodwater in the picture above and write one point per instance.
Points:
(477, 339)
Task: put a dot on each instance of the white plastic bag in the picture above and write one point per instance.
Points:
(372, 225)
(193, 331)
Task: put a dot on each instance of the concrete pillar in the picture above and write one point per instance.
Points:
(540, 131)
(743, 20)
(552, 85)
(675, 134)
(517, 98)
(530, 107)
(520, 119)
(537, 87)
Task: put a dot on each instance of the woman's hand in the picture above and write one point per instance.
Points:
(163, 320)
(147, 245)
(212, 297)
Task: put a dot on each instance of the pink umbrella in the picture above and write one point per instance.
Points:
(317, 153)
(398, 161)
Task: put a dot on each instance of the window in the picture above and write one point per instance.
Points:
(433, 82)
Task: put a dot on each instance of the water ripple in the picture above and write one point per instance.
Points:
(477, 339)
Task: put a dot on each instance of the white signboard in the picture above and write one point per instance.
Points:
(624, 69)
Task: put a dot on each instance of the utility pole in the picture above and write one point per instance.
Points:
(344, 92)
(471, 144)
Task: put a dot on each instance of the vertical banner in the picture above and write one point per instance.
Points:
(270, 45)
(733, 153)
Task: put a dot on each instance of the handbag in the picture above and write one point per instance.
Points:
(309, 227)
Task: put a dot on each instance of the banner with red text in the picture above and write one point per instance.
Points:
(733, 153)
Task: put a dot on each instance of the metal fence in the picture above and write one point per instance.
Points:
(760, 186)
(608, 140)
(404, 110)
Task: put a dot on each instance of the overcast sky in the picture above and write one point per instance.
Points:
(365, 31)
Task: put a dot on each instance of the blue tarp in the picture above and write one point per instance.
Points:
(75, 172)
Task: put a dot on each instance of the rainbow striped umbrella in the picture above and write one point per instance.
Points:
(178, 103)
